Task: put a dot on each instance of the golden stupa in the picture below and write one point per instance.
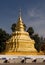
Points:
(20, 43)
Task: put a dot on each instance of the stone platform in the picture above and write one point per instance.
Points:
(23, 64)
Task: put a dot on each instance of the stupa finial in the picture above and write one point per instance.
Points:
(20, 12)
(20, 17)
(19, 25)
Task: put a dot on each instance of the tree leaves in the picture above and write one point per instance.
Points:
(3, 37)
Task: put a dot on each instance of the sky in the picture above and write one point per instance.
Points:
(33, 14)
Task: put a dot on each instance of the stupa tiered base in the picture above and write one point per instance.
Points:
(23, 53)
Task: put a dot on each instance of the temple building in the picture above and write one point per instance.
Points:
(20, 42)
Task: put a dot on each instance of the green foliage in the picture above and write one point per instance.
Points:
(13, 27)
(24, 27)
(37, 42)
(3, 37)
(36, 38)
(30, 30)
(43, 45)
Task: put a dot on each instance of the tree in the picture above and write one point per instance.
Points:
(13, 27)
(30, 31)
(3, 37)
(43, 45)
(24, 27)
(37, 42)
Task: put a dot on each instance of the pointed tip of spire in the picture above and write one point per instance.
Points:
(20, 12)
(20, 18)
(19, 26)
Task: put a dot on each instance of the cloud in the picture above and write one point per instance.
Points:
(35, 12)
(36, 18)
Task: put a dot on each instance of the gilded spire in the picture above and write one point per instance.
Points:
(19, 26)
(20, 18)
(20, 12)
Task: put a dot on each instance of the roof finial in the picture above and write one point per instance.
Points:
(20, 12)
(20, 17)
(20, 25)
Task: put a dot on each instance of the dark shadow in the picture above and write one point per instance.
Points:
(23, 61)
(34, 60)
(43, 60)
(6, 61)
